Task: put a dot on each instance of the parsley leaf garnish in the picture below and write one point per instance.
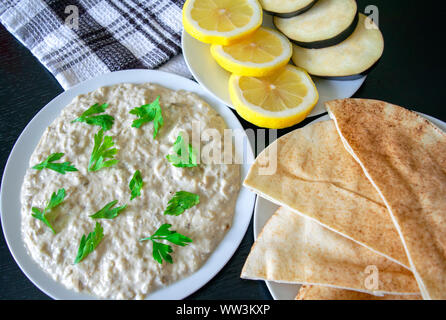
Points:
(181, 201)
(105, 121)
(107, 212)
(135, 185)
(149, 112)
(89, 243)
(184, 156)
(58, 167)
(56, 199)
(102, 150)
(160, 250)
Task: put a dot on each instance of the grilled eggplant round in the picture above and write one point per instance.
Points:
(347, 60)
(286, 8)
(328, 23)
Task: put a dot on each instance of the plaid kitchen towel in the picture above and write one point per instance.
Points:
(80, 39)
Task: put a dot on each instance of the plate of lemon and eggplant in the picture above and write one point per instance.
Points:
(276, 67)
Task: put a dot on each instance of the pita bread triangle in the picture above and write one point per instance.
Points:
(404, 156)
(328, 293)
(294, 249)
(315, 176)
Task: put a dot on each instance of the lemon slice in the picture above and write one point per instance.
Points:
(276, 101)
(221, 21)
(258, 55)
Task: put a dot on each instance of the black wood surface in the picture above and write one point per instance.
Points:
(410, 73)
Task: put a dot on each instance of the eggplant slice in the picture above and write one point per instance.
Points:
(350, 59)
(286, 8)
(328, 23)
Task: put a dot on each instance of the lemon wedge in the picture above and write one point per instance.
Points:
(276, 101)
(221, 21)
(260, 54)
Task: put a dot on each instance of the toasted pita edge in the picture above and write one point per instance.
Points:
(307, 293)
(423, 290)
(261, 194)
(378, 293)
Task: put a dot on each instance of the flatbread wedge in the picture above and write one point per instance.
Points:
(295, 249)
(327, 293)
(315, 176)
(404, 156)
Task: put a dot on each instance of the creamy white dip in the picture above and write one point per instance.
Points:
(121, 267)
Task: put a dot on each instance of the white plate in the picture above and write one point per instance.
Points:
(18, 163)
(264, 209)
(215, 79)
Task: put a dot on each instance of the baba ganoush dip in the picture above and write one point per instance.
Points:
(122, 267)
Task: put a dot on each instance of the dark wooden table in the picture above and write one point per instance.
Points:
(410, 73)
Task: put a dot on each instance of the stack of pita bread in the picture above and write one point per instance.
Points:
(363, 206)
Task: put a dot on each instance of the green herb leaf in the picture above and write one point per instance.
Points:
(94, 109)
(102, 150)
(105, 121)
(149, 112)
(56, 199)
(58, 167)
(181, 201)
(89, 243)
(108, 213)
(136, 185)
(163, 233)
(41, 216)
(184, 156)
(161, 251)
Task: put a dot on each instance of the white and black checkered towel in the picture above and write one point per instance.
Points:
(80, 39)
